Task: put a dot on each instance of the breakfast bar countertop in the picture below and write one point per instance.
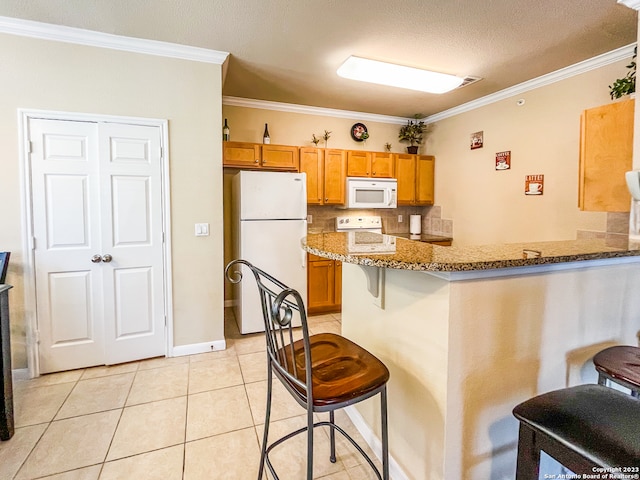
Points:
(416, 255)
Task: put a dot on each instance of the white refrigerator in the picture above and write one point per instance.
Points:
(269, 212)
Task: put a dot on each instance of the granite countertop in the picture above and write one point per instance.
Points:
(414, 255)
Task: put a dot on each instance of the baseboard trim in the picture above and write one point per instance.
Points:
(20, 374)
(196, 348)
(395, 471)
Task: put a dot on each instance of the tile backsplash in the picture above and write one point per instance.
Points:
(324, 218)
(617, 233)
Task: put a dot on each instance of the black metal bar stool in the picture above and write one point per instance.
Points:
(584, 428)
(619, 364)
(323, 372)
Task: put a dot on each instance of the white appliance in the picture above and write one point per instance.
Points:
(371, 193)
(269, 214)
(364, 235)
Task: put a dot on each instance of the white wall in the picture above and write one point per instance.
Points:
(47, 75)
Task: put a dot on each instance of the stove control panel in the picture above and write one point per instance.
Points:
(358, 223)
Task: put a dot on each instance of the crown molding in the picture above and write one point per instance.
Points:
(622, 53)
(635, 4)
(60, 33)
(309, 110)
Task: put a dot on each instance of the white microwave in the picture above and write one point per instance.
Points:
(372, 193)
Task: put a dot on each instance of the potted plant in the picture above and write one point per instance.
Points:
(412, 133)
(627, 84)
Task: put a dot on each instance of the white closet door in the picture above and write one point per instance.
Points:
(66, 224)
(132, 234)
(97, 212)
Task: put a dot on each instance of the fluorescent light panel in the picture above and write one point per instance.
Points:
(373, 71)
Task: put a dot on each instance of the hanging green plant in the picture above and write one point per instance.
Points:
(627, 84)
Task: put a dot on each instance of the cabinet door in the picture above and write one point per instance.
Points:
(335, 173)
(239, 154)
(425, 166)
(406, 175)
(321, 285)
(280, 157)
(606, 148)
(338, 287)
(382, 165)
(358, 164)
(311, 163)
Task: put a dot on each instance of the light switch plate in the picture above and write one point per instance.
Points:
(202, 229)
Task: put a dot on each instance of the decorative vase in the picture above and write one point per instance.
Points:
(412, 149)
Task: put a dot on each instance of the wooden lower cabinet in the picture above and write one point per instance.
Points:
(324, 285)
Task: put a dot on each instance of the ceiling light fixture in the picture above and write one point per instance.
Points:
(373, 71)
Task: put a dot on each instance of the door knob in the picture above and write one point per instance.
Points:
(107, 258)
(96, 259)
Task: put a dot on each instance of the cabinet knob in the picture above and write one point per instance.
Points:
(326, 199)
(374, 173)
(257, 160)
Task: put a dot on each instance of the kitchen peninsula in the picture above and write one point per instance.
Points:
(469, 332)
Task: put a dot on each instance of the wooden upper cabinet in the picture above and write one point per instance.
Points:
(282, 157)
(256, 155)
(425, 169)
(382, 164)
(312, 163)
(335, 177)
(239, 154)
(406, 175)
(370, 164)
(606, 148)
(358, 164)
(415, 174)
(326, 175)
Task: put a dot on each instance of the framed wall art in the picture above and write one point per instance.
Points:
(477, 140)
(503, 160)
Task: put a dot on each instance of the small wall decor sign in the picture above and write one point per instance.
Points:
(503, 160)
(477, 139)
(534, 185)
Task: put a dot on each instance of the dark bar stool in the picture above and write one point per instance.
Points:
(619, 364)
(582, 427)
(323, 372)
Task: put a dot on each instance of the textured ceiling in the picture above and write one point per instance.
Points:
(288, 50)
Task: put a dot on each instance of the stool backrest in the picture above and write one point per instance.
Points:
(289, 357)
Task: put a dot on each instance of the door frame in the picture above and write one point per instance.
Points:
(26, 207)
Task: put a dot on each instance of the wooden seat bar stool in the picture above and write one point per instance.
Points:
(619, 364)
(323, 372)
(584, 428)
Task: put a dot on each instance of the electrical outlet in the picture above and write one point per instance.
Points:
(399, 218)
(309, 219)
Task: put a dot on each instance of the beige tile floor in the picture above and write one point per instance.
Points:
(192, 418)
